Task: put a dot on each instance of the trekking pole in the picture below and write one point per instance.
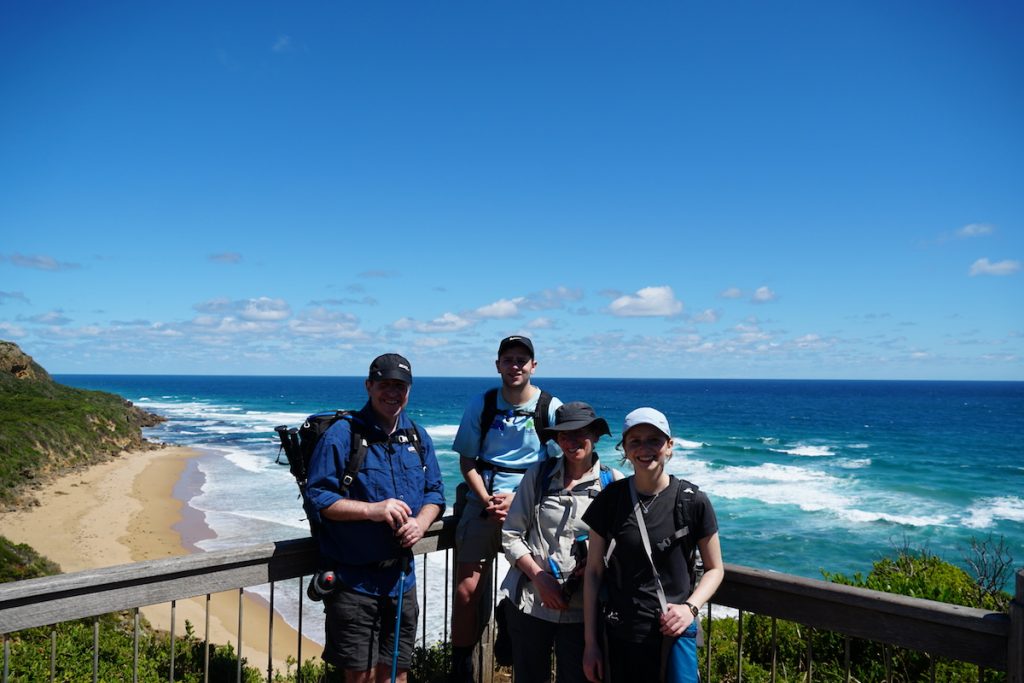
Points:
(398, 618)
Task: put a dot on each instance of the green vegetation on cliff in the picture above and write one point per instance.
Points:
(47, 428)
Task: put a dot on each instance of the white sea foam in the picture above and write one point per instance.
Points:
(685, 445)
(444, 432)
(866, 516)
(858, 445)
(805, 451)
(854, 463)
(768, 440)
(770, 483)
(248, 460)
(985, 511)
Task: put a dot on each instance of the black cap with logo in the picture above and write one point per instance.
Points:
(390, 366)
(515, 340)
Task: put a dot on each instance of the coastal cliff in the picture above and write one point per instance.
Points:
(47, 428)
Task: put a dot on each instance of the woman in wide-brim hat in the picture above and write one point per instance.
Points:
(545, 541)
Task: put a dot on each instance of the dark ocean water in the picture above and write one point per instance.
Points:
(804, 475)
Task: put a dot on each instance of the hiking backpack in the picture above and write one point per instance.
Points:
(686, 497)
(490, 411)
(298, 446)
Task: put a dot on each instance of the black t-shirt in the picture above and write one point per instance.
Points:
(632, 591)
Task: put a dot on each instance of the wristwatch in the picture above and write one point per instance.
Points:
(693, 609)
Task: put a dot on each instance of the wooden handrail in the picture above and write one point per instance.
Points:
(981, 637)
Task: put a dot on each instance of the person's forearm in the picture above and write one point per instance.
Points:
(707, 586)
(428, 515)
(473, 478)
(346, 510)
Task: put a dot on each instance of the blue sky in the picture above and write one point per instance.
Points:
(759, 190)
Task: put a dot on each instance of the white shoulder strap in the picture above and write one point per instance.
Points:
(642, 524)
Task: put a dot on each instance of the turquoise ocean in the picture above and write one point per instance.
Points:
(805, 476)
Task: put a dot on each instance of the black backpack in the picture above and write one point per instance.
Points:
(298, 446)
(686, 497)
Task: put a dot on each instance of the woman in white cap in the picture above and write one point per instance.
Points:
(644, 534)
(545, 541)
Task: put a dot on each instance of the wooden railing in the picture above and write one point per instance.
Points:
(993, 641)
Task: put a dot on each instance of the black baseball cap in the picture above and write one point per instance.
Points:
(515, 340)
(391, 366)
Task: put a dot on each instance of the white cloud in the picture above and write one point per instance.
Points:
(282, 44)
(265, 309)
(985, 267)
(708, 315)
(503, 308)
(218, 305)
(551, 298)
(429, 342)
(51, 318)
(41, 262)
(731, 293)
(16, 296)
(647, 302)
(10, 330)
(542, 323)
(230, 257)
(975, 230)
(449, 322)
(763, 295)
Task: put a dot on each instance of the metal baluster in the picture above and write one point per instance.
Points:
(931, 669)
(270, 638)
(810, 655)
(846, 658)
(423, 566)
(7, 657)
(206, 644)
(447, 581)
(95, 649)
(298, 677)
(775, 647)
(135, 646)
(53, 655)
(739, 648)
(888, 663)
(707, 660)
(170, 674)
(238, 668)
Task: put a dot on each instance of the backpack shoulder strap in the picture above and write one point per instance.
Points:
(412, 435)
(540, 415)
(547, 470)
(356, 455)
(686, 495)
(606, 476)
(487, 415)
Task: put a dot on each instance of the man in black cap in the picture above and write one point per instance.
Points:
(498, 440)
(369, 525)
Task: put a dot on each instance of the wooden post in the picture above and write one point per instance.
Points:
(1015, 643)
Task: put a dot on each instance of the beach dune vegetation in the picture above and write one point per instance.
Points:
(47, 428)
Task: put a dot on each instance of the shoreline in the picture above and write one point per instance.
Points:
(130, 509)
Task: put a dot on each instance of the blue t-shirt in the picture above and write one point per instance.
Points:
(391, 470)
(511, 440)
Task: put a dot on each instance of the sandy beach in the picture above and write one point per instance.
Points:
(123, 511)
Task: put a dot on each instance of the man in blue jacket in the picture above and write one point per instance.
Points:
(367, 531)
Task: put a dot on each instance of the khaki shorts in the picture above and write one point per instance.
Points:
(477, 539)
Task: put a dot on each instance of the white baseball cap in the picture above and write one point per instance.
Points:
(647, 416)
